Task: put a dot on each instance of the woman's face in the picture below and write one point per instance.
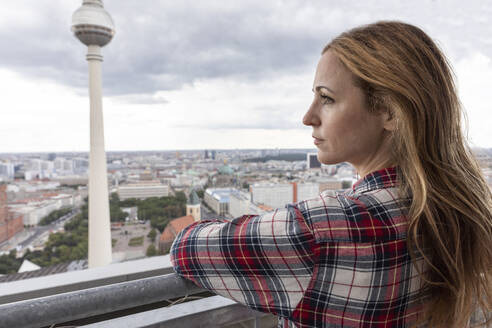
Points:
(343, 128)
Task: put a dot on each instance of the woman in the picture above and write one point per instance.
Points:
(409, 245)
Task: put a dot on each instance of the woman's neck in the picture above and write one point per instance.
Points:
(380, 159)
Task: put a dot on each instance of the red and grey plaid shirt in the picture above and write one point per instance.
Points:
(339, 260)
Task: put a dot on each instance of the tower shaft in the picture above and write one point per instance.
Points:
(99, 227)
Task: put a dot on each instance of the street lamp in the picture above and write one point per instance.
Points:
(93, 26)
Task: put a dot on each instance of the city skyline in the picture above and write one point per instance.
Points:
(193, 76)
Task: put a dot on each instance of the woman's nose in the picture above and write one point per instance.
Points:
(310, 118)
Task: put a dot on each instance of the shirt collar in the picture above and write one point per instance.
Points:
(384, 178)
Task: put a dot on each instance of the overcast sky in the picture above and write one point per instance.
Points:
(207, 74)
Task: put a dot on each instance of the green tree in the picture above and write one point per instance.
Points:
(115, 212)
(180, 197)
(159, 210)
(346, 184)
(63, 247)
(9, 263)
(159, 223)
(55, 215)
(151, 250)
(130, 202)
(64, 253)
(200, 193)
(114, 197)
(152, 234)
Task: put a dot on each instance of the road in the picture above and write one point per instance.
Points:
(39, 230)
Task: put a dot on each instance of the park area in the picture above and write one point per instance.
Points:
(132, 240)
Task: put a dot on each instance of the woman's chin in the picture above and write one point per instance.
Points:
(328, 159)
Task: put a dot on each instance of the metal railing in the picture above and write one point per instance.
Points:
(91, 302)
(121, 295)
(31, 288)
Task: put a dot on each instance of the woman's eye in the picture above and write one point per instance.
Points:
(326, 99)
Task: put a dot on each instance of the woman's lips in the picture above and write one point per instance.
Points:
(317, 141)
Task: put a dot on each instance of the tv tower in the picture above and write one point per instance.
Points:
(93, 26)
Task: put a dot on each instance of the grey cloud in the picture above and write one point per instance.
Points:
(181, 42)
(186, 44)
(161, 45)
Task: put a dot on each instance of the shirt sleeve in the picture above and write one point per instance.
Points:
(262, 261)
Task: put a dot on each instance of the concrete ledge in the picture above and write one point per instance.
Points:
(212, 311)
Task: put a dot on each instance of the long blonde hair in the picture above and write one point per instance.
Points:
(401, 70)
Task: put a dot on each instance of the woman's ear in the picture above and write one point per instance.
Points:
(389, 120)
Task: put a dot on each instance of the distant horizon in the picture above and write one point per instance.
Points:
(161, 150)
(178, 150)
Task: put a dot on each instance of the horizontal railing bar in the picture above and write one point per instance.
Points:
(59, 283)
(90, 302)
(214, 311)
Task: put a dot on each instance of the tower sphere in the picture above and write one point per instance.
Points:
(92, 24)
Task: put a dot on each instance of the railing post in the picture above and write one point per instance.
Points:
(257, 322)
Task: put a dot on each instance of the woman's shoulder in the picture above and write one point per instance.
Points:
(369, 216)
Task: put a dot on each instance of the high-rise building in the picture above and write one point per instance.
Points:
(307, 190)
(143, 190)
(218, 199)
(277, 195)
(80, 165)
(240, 204)
(64, 166)
(3, 213)
(274, 195)
(7, 170)
(10, 223)
(312, 161)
